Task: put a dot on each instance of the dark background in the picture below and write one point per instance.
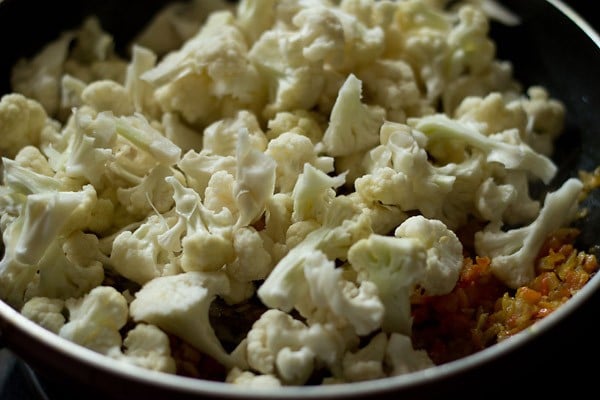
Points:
(562, 363)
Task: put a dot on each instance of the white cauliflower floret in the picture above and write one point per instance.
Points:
(39, 78)
(313, 193)
(366, 363)
(106, 95)
(42, 241)
(505, 148)
(399, 173)
(302, 122)
(137, 130)
(251, 380)
(292, 84)
(48, 215)
(199, 167)
(384, 356)
(285, 347)
(31, 158)
(353, 126)
(395, 265)
(506, 198)
(221, 137)
(179, 305)
(141, 255)
(69, 268)
(71, 90)
(444, 253)
(320, 34)
(92, 56)
(291, 151)
(148, 347)
(207, 242)
(329, 293)
(343, 225)
(210, 77)
(513, 252)
(493, 113)
(21, 123)
(546, 119)
(95, 319)
(151, 194)
(253, 261)
(46, 312)
(176, 22)
(278, 216)
(254, 180)
(140, 91)
(107, 150)
(255, 16)
(391, 85)
(402, 358)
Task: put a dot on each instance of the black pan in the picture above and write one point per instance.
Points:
(553, 47)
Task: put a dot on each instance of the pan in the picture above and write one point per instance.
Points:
(552, 46)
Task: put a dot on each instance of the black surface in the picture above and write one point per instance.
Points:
(562, 363)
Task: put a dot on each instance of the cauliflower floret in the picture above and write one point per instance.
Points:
(199, 167)
(207, 242)
(106, 95)
(95, 319)
(506, 148)
(302, 122)
(444, 253)
(141, 255)
(140, 91)
(179, 305)
(151, 194)
(402, 358)
(391, 85)
(210, 77)
(253, 261)
(384, 356)
(39, 78)
(546, 118)
(493, 113)
(255, 16)
(148, 347)
(285, 347)
(175, 23)
(291, 151)
(46, 312)
(251, 380)
(221, 137)
(343, 225)
(395, 265)
(513, 252)
(292, 84)
(254, 180)
(313, 193)
(506, 198)
(31, 158)
(92, 55)
(21, 123)
(329, 293)
(278, 216)
(366, 363)
(353, 126)
(399, 173)
(71, 90)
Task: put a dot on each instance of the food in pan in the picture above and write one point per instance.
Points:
(286, 192)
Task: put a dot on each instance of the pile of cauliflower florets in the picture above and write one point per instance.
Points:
(317, 154)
